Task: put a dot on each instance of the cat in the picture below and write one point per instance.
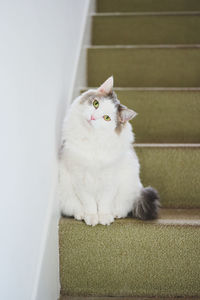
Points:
(99, 169)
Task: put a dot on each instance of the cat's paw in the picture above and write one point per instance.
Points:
(79, 216)
(120, 216)
(91, 219)
(106, 219)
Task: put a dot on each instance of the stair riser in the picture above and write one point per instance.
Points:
(164, 116)
(146, 5)
(174, 172)
(129, 260)
(145, 67)
(128, 30)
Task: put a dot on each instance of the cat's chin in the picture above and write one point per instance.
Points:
(88, 123)
(91, 124)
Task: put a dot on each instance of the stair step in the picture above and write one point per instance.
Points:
(164, 115)
(146, 5)
(173, 169)
(145, 66)
(132, 257)
(127, 29)
(124, 298)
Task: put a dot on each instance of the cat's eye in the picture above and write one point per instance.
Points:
(95, 103)
(107, 118)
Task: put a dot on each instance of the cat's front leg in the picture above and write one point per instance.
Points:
(86, 195)
(105, 214)
(91, 219)
(90, 209)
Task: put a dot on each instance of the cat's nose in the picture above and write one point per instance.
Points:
(92, 117)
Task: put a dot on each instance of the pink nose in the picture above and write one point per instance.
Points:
(93, 118)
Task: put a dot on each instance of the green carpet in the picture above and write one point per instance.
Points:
(145, 67)
(141, 29)
(147, 5)
(164, 116)
(131, 257)
(174, 172)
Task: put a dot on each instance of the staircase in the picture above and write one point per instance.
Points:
(152, 48)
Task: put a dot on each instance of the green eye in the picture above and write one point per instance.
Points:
(96, 104)
(107, 118)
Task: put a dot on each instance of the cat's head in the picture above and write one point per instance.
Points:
(101, 108)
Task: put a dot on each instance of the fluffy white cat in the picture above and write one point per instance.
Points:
(99, 170)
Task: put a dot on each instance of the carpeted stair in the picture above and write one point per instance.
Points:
(142, 28)
(152, 48)
(145, 66)
(122, 298)
(131, 257)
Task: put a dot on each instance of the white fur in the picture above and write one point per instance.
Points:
(107, 86)
(99, 170)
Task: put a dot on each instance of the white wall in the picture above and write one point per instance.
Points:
(39, 47)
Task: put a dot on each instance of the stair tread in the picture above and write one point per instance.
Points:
(166, 217)
(146, 5)
(146, 46)
(117, 260)
(124, 298)
(155, 13)
(156, 89)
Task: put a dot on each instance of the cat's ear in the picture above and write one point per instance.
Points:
(107, 86)
(126, 114)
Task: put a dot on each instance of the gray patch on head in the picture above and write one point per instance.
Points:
(147, 206)
(120, 125)
(88, 97)
(113, 97)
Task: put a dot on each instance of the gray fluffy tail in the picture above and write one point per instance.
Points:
(148, 204)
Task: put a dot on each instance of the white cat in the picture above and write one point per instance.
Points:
(99, 170)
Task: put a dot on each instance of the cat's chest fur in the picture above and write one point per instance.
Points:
(97, 149)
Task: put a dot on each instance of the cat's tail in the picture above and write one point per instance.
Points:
(147, 205)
